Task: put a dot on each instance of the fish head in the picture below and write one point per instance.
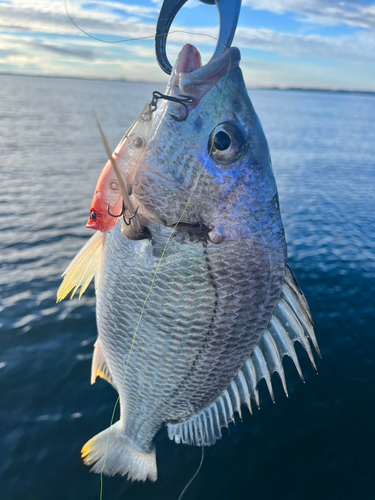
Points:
(212, 167)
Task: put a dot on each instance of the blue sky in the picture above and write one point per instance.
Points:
(284, 43)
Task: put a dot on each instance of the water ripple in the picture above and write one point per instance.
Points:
(323, 152)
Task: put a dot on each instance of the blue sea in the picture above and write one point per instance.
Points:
(318, 443)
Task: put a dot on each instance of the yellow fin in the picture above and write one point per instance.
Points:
(83, 267)
(99, 366)
(109, 453)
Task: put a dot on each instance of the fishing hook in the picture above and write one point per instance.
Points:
(127, 219)
(183, 99)
(115, 216)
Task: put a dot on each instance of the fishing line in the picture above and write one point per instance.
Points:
(171, 233)
(156, 271)
(122, 40)
(195, 475)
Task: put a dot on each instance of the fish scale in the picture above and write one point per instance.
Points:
(153, 336)
(242, 315)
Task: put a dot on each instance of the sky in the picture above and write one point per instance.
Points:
(324, 44)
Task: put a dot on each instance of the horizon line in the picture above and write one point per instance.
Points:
(124, 80)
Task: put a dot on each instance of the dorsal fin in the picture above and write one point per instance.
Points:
(290, 322)
(99, 367)
(83, 267)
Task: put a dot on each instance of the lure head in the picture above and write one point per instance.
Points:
(106, 200)
(213, 168)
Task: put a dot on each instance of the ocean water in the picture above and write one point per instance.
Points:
(316, 444)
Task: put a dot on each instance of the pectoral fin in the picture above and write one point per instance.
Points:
(83, 268)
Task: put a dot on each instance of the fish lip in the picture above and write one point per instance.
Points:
(190, 78)
(188, 60)
(221, 65)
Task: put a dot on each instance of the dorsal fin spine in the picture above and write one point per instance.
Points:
(250, 375)
(278, 362)
(223, 413)
(282, 339)
(245, 396)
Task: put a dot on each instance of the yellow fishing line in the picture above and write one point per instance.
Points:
(175, 227)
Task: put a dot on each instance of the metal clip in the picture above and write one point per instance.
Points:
(183, 99)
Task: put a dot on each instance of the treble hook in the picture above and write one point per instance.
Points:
(183, 99)
(126, 218)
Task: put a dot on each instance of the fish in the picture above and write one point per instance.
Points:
(194, 313)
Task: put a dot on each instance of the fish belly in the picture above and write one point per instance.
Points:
(151, 347)
(207, 307)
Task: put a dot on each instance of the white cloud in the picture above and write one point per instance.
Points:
(50, 16)
(354, 13)
(130, 9)
(358, 46)
(27, 45)
(55, 22)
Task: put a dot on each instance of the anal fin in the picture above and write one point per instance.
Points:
(99, 367)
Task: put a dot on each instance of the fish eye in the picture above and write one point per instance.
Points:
(93, 216)
(226, 143)
(222, 141)
(114, 186)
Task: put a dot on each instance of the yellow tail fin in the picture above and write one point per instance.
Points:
(110, 454)
(83, 267)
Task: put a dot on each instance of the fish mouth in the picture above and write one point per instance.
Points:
(93, 225)
(190, 78)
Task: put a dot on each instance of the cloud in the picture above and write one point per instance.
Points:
(358, 46)
(27, 44)
(138, 10)
(356, 13)
(88, 55)
(6, 53)
(50, 17)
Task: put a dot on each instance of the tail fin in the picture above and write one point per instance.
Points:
(110, 454)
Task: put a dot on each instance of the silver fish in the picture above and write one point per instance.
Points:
(193, 316)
